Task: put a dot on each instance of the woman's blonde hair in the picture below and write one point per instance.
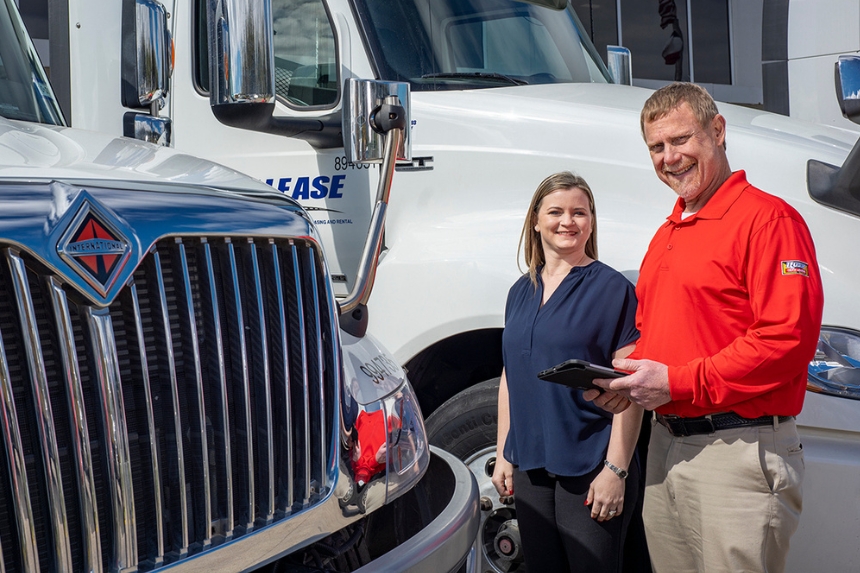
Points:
(530, 243)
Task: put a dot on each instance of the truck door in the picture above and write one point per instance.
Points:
(310, 59)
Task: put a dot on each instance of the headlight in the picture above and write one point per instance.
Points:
(835, 369)
(383, 427)
(408, 454)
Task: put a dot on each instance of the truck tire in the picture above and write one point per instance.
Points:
(467, 422)
(465, 426)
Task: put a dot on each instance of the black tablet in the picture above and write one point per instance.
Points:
(579, 374)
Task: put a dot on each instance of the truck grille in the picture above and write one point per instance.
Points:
(196, 408)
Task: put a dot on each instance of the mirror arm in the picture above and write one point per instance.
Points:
(360, 293)
(325, 132)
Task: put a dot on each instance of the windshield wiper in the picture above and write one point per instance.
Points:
(476, 75)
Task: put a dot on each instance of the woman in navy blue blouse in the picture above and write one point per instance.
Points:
(569, 462)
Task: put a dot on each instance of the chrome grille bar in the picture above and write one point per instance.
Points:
(17, 469)
(229, 338)
(222, 383)
(306, 493)
(150, 419)
(174, 395)
(320, 360)
(267, 383)
(201, 408)
(285, 352)
(124, 554)
(44, 417)
(246, 383)
(80, 433)
(335, 344)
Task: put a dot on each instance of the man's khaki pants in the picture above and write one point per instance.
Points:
(724, 502)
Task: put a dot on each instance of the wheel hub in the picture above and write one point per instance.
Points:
(499, 536)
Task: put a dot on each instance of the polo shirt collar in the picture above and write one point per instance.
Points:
(719, 204)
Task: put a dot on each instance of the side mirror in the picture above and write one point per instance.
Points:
(618, 63)
(848, 86)
(242, 72)
(147, 63)
(363, 137)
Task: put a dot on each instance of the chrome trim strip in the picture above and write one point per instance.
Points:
(440, 546)
(79, 432)
(285, 349)
(150, 422)
(44, 417)
(17, 469)
(174, 394)
(117, 455)
(201, 406)
(222, 374)
(246, 385)
(320, 365)
(445, 543)
(305, 382)
(267, 380)
(337, 378)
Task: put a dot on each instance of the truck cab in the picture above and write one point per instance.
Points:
(502, 93)
(175, 389)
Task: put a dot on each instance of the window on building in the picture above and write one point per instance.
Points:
(688, 40)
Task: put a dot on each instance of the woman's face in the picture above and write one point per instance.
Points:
(564, 222)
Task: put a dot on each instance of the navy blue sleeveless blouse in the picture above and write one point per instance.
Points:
(591, 314)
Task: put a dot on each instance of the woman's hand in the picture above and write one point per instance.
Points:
(605, 495)
(609, 401)
(503, 476)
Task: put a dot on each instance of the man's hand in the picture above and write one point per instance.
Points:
(647, 385)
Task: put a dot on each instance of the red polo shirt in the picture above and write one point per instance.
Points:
(730, 298)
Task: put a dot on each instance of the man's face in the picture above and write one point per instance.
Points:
(687, 157)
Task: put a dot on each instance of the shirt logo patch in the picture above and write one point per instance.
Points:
(795, 268)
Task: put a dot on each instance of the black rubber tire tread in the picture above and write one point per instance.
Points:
(467, 422)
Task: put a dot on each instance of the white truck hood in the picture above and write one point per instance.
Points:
(36, 151)
(487, 150)
(554, 118)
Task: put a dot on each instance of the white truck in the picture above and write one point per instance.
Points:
(175, 390)
(802, 40)
(503, 93)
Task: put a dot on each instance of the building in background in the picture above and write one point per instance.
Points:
(777, 55)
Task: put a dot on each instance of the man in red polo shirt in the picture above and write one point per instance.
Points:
(730, 304)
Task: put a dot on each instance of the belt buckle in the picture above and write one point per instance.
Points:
(675, 425)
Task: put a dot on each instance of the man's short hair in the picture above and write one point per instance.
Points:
(673, 95)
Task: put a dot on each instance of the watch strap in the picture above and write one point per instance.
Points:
(618, 471)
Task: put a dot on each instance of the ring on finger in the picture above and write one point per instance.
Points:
(612, 513)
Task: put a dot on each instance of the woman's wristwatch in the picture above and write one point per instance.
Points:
(618, 471)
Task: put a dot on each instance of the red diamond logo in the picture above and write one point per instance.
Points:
(96, 249)
(93, 245)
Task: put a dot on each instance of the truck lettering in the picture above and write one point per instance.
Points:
(300, 191)
(319, 187)
(378, 367)
(302, 188)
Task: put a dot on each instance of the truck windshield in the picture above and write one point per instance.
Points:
(467, 44)
(24, 90)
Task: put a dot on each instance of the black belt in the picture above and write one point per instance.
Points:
(680, 427)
